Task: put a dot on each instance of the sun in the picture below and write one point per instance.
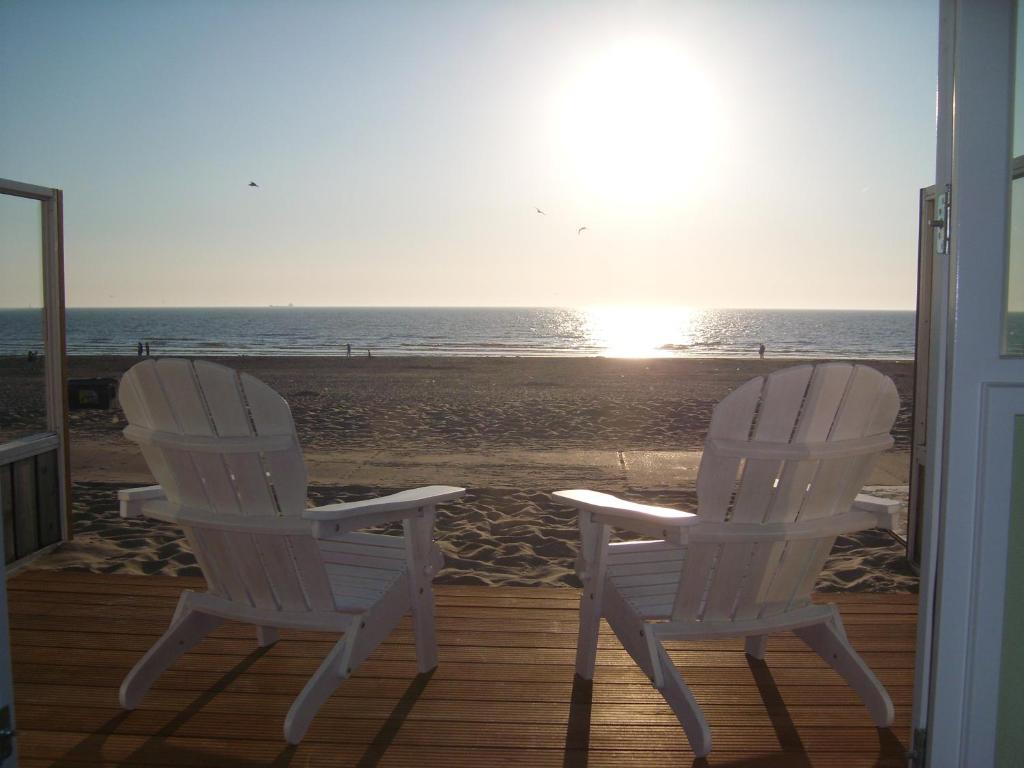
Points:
(640, 331)
(639, 123)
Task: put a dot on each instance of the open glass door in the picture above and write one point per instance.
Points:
(975, 400)
(34, 476)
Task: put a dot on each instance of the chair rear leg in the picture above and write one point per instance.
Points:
(828, 640)
(319, 688)
(267, 636)
(679, 697)
(756, 645)
(187, 628)
(591, 567)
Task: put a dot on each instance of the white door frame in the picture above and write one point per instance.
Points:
(51, 201)
(54, 332)
(967, 489)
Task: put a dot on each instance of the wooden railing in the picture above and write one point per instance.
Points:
(30, 494)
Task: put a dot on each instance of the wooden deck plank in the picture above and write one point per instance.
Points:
(134, 751)
(604, 691)
(97, 635)
(503, 694)
(428, 708)
(96, 647)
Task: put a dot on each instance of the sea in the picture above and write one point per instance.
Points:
(487, 332)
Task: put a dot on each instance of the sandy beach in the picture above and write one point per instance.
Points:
(510, 429)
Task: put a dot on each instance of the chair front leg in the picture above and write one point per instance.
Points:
(828, 640)
(319, 688)
(187, 629)
(363, 635)
(423, 556)
(678, 695)
(591, 568)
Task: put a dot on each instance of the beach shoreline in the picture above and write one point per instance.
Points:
(510, 429)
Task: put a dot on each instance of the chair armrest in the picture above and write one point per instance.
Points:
(334, 519)
(883, 509)
(605, 509)
(132, 499)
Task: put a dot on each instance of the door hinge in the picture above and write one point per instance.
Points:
(941, 222)
(6, 734)
(919, 750)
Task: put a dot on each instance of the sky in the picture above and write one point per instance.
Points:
(720, 154)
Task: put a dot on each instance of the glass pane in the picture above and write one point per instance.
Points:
(22, 377)
(1013, 330)
(1018, 91)
(1014, 340)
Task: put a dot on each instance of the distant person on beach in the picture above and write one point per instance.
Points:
(348, 350)
(31, 356)
(760, 351)
(368, 352)
(140, 349)
(147, 349)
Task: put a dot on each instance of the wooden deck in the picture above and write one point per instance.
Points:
(503, 694)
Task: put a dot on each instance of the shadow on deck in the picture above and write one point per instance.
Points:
(504, 693)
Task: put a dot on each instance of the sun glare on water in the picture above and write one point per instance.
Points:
(640, 331)
(639, 123)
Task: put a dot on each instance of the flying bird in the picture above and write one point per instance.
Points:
(580, 230)
(253, 184)
(540, 212)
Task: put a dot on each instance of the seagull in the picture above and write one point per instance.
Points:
(580, 230)
(540, 212)
(254, 184)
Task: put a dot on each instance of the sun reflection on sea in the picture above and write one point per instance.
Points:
(640, 331)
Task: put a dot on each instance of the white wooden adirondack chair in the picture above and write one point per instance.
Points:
(783, 462)
(224, 450)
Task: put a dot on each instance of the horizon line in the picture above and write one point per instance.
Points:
(486, 306)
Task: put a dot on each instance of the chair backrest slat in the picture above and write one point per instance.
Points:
(715, 487)
(226, 579)
(144, 402)
(280, 564)
(824, 395)
(228, 410)
(286, 470)
(312, 574)
(808, 408)
(715, 483)
(190, 413)
(781, 402)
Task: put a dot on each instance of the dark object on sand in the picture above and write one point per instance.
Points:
(91, 393)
